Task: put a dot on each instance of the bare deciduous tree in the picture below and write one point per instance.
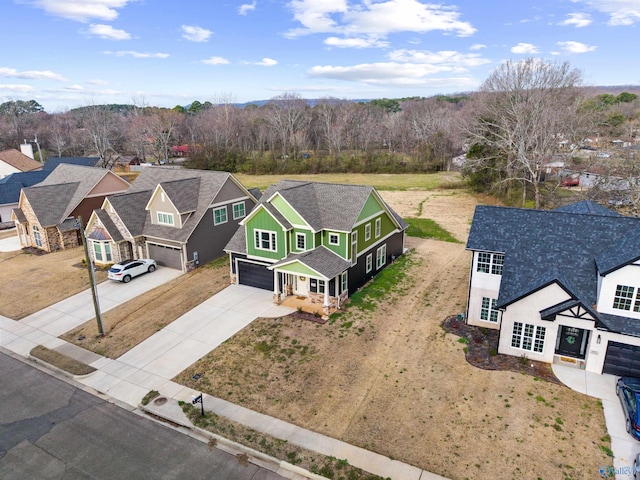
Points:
(522, 112)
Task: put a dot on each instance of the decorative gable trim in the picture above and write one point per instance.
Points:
(385, 209)
(301, 225)
(254, 212)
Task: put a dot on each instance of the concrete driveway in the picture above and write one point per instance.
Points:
(42, 328)
(10, 244)
(152, 364)
(624, 447)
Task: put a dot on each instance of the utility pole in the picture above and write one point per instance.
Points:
(39, 151)
(92, 277)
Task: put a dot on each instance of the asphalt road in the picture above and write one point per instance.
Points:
(49, 429)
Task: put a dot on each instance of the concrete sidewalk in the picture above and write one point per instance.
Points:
(152, 364)
(603, 386)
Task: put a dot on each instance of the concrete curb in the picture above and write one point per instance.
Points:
(255, 457)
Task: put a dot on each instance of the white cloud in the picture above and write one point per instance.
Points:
(355, 42)
(266, 62)
(477, 46)
(108, 32)
(16, 88)
(216, 61)
(131, 53)
(82, 10)
(32, 74)
(576, 47)
(367, 18)
(621, 12)
(97, 81)
(577, 20)
(195, 34)
(246, 7)
(526, 48)
(74, 88)
(409, 68)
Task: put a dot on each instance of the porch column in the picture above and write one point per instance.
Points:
(338, 285)
(276, 288)
(326, 304)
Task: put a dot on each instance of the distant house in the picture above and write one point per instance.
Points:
(13, 161)
(178, 217)
(46, 216)
(561, 286)
(317, 240)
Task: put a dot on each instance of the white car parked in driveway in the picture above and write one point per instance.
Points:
(125, 271)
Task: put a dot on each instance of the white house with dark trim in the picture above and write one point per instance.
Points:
(561, 286)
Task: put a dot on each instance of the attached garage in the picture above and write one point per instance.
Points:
(254, 275)
(622, 360)
(168, 256)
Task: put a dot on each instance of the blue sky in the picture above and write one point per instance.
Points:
(69, 53)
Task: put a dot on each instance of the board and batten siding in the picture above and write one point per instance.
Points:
(262, 220)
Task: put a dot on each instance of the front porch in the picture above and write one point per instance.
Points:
(308, 305)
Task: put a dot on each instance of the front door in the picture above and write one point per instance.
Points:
(301, 286)
(572, 341)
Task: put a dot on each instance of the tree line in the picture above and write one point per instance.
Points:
(523, 115)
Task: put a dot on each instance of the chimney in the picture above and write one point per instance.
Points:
(27, 149)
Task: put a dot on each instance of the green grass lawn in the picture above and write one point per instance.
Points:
(381, 181)
(426, 228)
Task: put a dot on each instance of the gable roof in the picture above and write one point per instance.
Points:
(55, 198)
(191, 191)
(321, 260)
(19, 160)
(326, 206)
(541, 247)
(53, 162)
(587, 207)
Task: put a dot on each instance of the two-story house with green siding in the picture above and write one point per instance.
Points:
(315, 240)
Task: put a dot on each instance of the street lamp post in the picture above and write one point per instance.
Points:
(92, 277)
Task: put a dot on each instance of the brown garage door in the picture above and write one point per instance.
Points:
(167, 256)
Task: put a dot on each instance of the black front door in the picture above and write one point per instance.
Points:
(572, 342)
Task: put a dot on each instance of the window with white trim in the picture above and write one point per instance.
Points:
(301, 241)
(265, 240)
(490, 263)
(36, 236)
(369, 262)
(381, 256)
(488, 310)
(98, 247)
(220, 215)
(344, 282)
(528, 337)
(334, 239)
(238, 210)
(165, 218)
(367, 232)
(321, 286)
(624, 297)
(378, 227)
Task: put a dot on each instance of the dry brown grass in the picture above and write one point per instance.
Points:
(31, 282)
(393, 381)
(61, 361)
(134, 321)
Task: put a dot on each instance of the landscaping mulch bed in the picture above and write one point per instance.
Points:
(308, 316)
(482, 350)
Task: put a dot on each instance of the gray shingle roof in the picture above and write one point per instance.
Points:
(587, 207)
(183, 193)
(320, 259)
(53, 162)
(558, 245)
(110, 227)
(86, 179)
(50, 202)
(190, 190)
(238, 243)
(326, 206)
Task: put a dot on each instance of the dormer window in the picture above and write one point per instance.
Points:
(165, 218)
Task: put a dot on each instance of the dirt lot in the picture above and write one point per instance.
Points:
(395, 382)
(26, 280)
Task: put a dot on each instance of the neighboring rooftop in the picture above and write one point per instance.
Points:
(53, 162)
(19, 160)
